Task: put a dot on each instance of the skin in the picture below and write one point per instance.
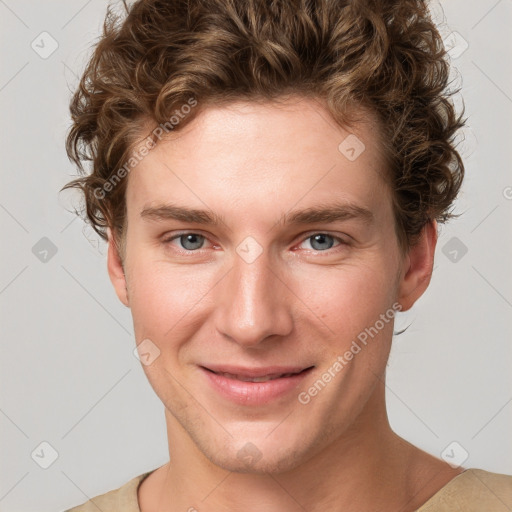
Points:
(297, 303)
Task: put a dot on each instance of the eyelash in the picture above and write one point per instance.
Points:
(341, 241)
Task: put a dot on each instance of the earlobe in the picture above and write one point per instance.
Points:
(417, 267)
(116, 270)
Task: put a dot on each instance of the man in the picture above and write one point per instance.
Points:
(269, 176)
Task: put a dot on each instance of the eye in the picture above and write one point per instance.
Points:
(193, 242)
(323, 241)
(189, 242)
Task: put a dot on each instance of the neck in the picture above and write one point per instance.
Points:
(367, 467)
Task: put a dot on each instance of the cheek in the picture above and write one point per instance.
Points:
(349, 298)
(164, 299)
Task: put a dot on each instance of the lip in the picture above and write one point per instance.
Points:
(254, 372)
(254, 393)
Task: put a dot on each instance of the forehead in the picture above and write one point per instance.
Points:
(259, 157)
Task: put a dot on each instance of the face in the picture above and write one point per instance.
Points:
(260, 243)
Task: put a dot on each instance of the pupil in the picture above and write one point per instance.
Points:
(321, 239)
(194, 240)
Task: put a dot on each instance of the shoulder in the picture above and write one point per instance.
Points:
(474, 490)
(123, 499)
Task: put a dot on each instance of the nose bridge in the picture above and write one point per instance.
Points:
(252, 304)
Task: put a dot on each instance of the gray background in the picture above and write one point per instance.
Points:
(68, 374)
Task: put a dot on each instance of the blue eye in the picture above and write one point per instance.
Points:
(192, 242)
(189, 241)
(321, 241)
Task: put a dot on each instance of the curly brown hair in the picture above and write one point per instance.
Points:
(383, 55)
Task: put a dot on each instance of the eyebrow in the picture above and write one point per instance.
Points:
(329, 213)
(182, 213)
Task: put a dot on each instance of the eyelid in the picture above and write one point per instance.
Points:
(303, 237)
(308, 235)
(337, 236)
(167, 238)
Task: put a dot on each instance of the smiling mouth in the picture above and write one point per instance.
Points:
(262, 378)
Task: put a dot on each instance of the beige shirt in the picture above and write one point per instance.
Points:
(474, 490)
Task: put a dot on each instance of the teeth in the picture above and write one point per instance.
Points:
(255, 379)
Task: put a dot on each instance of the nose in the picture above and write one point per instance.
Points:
(253, 303)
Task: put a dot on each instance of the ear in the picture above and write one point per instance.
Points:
(116, 270)
(417, 267)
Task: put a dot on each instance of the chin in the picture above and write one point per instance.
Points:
(259, 454)
(238, 461)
